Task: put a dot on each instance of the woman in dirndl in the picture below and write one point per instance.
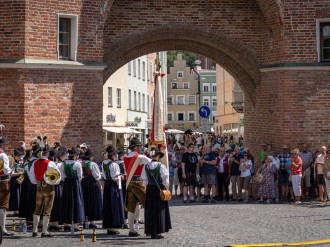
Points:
(72, 210)
(91, 186)
(15, 187)
(157, 218)
(267, 186)
(113, 203)
(58, 156)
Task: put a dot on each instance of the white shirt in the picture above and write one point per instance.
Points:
(6, 168)
(163, 172)
(199, 140)
(51, 165)
(26, 167)
(143, 160)
(244, 171)
(320, 159)
(77, 166)
(113, 167)
(95, 170)
(221, 169)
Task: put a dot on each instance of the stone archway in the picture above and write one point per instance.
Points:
(237, 58)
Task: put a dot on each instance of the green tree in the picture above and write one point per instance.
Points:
(188, 56)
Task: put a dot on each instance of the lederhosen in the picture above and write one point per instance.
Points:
(45, 192)
(135, 190)
(92, 194)
(15, 191)
(72, 209)
(113, 204)
(156, 213)
(4, 189)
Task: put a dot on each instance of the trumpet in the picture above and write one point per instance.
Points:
(52, 176)
(11, 163)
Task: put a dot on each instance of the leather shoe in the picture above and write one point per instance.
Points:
(8, 234)
(158, 236)
(112, 232)
(91, 225)
(34, 234)
(47, 235)
(133, 234)
(125, 226)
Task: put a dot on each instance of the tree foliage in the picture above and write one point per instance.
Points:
(188, 56)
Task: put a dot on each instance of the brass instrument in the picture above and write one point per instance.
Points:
(20, 179)
(11, 163)
(52, 176)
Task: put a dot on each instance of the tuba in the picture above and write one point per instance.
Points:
(11, 163)
(52, 176)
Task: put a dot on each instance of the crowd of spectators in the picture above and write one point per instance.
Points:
(225, 170)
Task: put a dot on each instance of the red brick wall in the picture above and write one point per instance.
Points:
(12, 15)
(65, 105)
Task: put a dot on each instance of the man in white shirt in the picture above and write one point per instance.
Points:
(5, 172)
(320, 177)
(45, 192)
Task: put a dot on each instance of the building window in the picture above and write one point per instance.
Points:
(129, 68)
(325, 41)
(174, 85)
(118, 97)
(129, 99)
(170, 100)
(134, 68)
(67, 37)
(206, 101)
(192, 99)
(109, 96)
(192, 116)
(139, 102)
(214, 102)
(148, 106)
(186, 85)
(180, 99)
(143, 103)
(170, 116)
(214, 87)
(135, 103)
(144, 71)
(206, 87)
(139, 69)
(180, 116)
(179, 74)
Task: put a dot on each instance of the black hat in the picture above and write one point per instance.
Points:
(111, 150)
(72, 151)
(53, 153)
(156, 152)
(47, 149)
(121, 153)
(18, 152)
(3, 141)
(134, 142)
(28, 154)
(89, 153)
(35, 148)
(60, 153)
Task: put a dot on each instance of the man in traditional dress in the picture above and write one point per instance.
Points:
(45, 192)
(5, 172)
(134, 163)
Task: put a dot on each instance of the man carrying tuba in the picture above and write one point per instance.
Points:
(5, 172)
(41, 169)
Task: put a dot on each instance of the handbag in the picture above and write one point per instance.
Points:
(165, 195)
(259, 177)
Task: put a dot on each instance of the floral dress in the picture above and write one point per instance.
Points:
(267, 186)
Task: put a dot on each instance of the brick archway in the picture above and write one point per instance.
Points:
(237, 58)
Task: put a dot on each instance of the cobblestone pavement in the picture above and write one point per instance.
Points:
(219, 224)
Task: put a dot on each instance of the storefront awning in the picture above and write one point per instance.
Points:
(124, 130)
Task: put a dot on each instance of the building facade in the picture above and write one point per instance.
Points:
(208, 89)
(228, 121)
(137, 97)
(182, 91)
